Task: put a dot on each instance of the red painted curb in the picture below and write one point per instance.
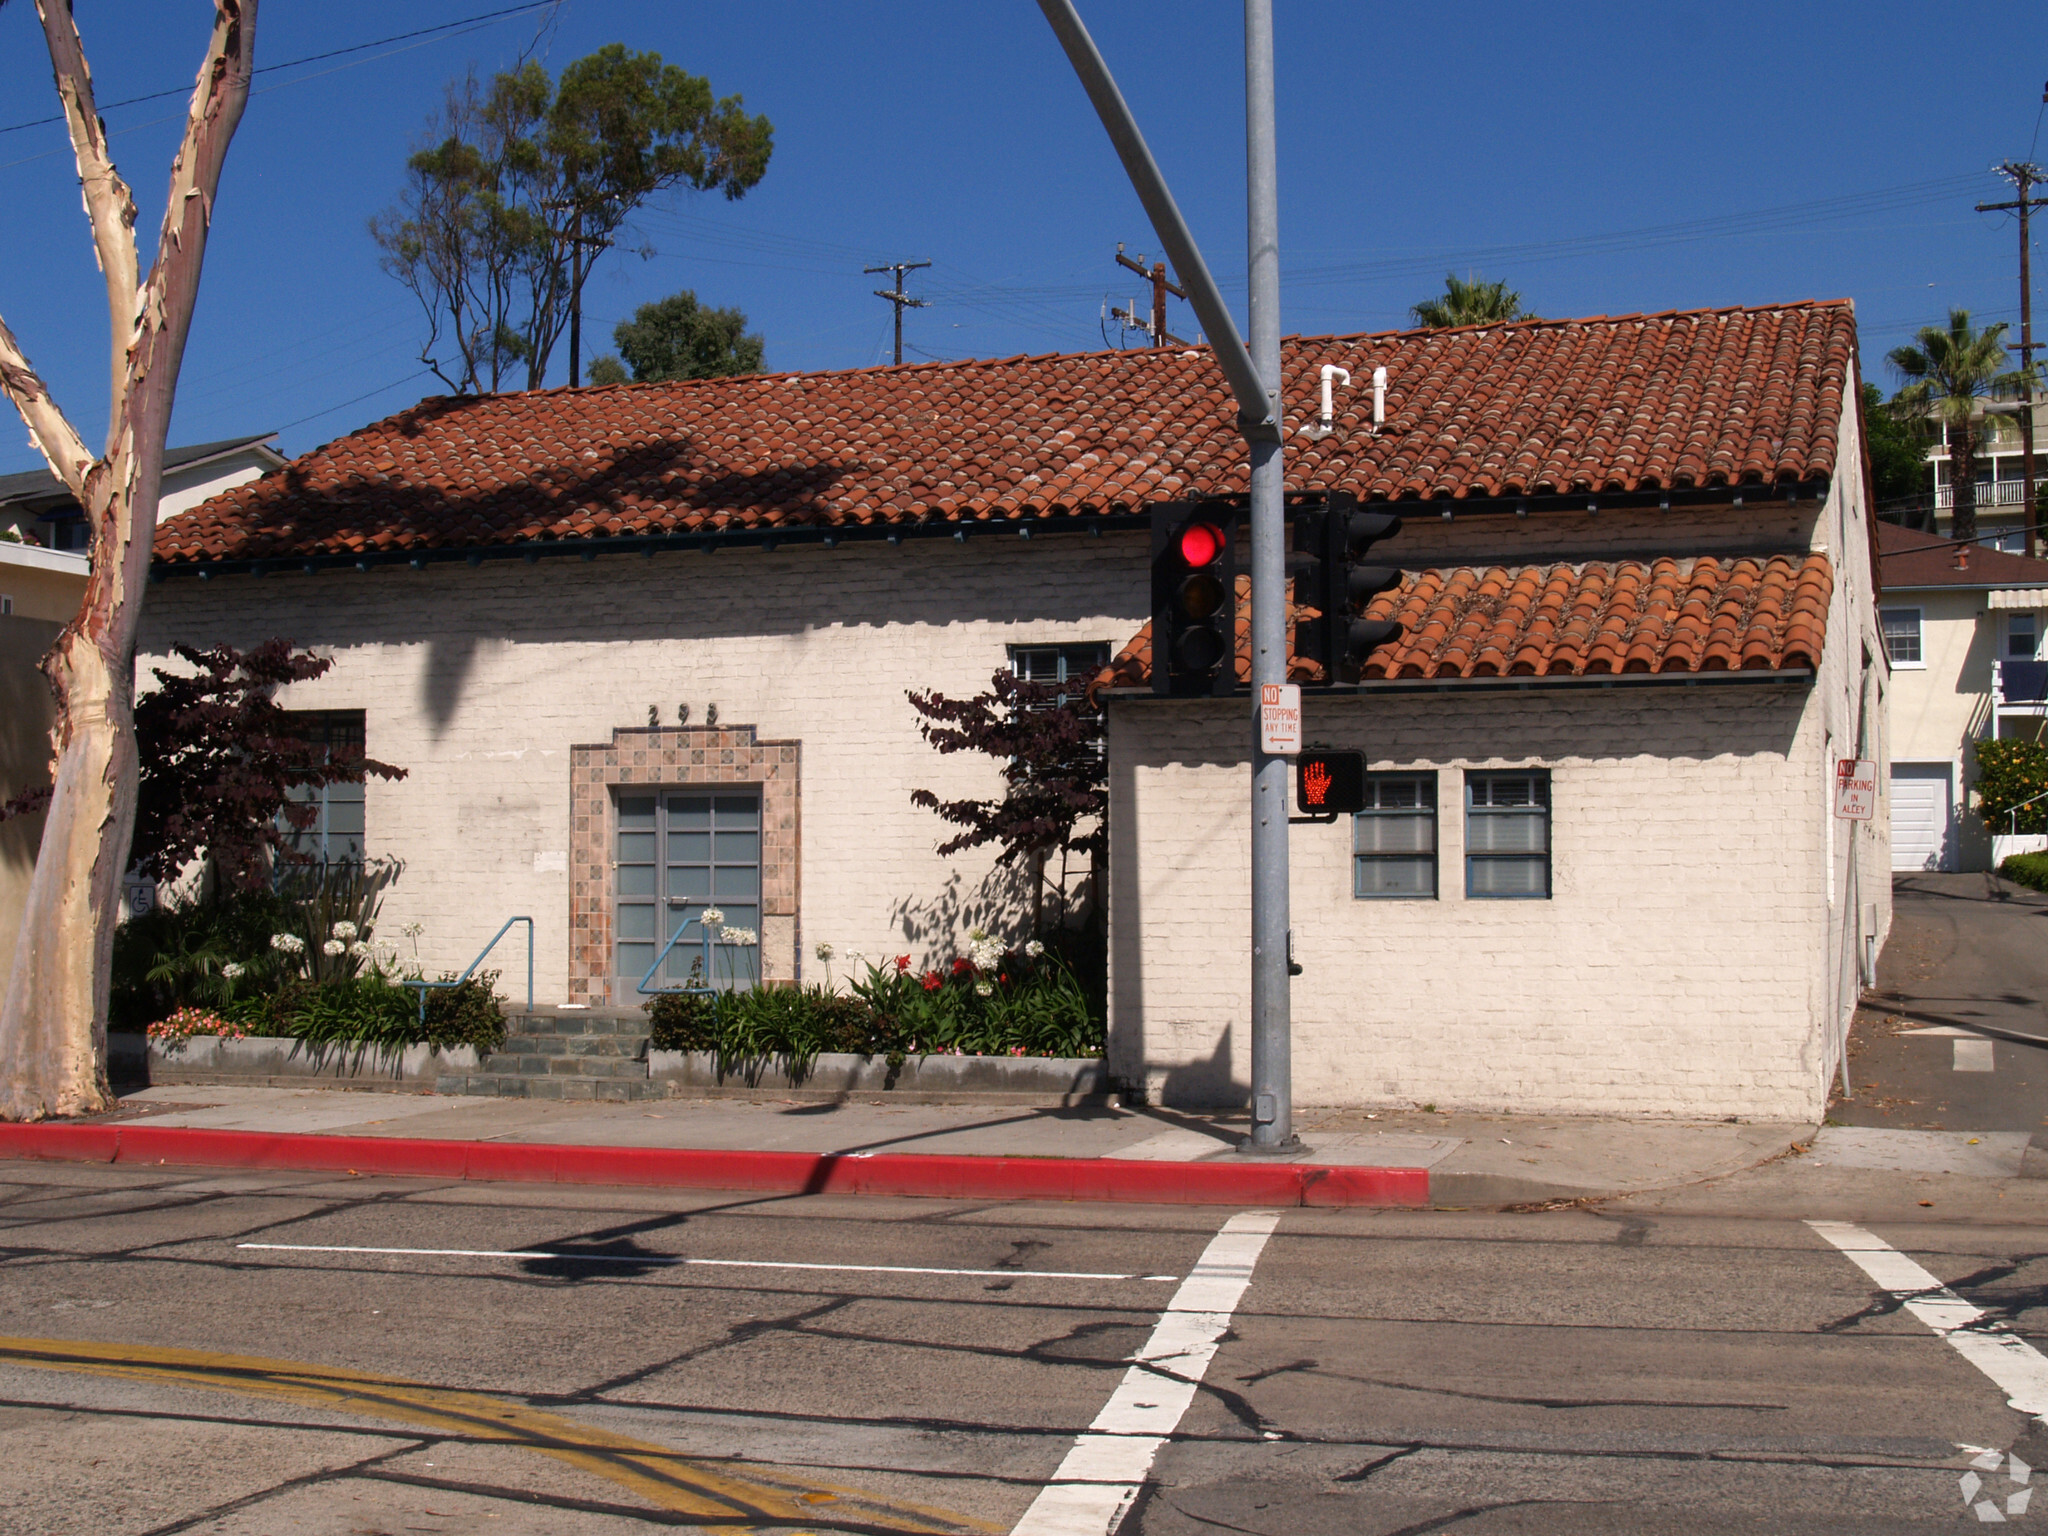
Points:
(779, 1173)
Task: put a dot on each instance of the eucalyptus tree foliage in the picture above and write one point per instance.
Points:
(1951, 373)
(53, 1013)
(1470, 301)
(522, 181)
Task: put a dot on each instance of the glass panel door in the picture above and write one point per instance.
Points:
(681, 853)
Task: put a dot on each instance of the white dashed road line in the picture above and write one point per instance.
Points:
(1103, 1472)
(2018, 1369)
(679, 1261)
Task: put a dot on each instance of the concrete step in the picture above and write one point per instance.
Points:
(577, 1045)
(513, 1085)
(577, 1021)
(515, 1062)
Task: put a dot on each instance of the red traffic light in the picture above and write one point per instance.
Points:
(1201, 543)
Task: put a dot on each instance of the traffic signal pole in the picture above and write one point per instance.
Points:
(1254, 377)
(1272, 1053)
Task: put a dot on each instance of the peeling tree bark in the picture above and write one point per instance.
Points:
(53, 1019)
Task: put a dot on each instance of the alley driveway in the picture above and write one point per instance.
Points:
(252, 1353)
(1965, 951)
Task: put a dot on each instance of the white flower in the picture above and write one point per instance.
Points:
(977, 935)
(359, 950)
(333, 947)
(232, 969)
(713, 917)
(740, 936)
(386, 953)
(288, 943)
(344, 931)
(825, 952)
(1034, 949)
(412, 930)
(983, 989)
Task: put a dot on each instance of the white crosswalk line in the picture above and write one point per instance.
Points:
(2018, 1369)
(1102, 1473)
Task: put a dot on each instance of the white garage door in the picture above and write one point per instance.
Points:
(1920, 816)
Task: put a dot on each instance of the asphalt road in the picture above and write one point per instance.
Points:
(1966, 953)
(866, 1365)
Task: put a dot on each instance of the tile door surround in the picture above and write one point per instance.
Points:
(665, 757)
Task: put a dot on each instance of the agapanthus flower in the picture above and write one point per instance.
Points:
(825, 952)
(983, 989)
(740, 936)
(233, 969)
(413, 930)
(1034, 949)
(344, 931)
(359, 950)
(288, 943)
(333, 947)
(713, 917)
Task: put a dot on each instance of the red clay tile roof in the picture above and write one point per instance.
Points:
(1638, 403)
(1745, 613)
(1908, 558)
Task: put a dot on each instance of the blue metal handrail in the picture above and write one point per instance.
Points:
(427, 986)
(645, 990)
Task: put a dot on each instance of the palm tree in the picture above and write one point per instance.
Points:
(1949, 373)
(1471, 302)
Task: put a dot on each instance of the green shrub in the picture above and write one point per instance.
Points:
(173, 957)
(369, 1010)
(2010, 773)
(2028, 869)
(999, 1003)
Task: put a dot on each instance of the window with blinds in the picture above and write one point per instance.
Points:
(1507, 835)
(336, 833)
(1393, 840)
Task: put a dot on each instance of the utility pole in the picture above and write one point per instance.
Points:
(2025, 175)
(578, 270)
(1161, 287)
(898, 297)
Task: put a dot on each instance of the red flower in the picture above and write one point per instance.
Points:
(963, 967)
(933, 981)
(902, 964)
(1004, 979)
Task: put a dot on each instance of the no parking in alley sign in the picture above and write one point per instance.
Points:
(1855, 788)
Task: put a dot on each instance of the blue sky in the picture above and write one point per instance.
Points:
(1603, 158)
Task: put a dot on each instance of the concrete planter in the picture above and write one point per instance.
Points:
(2003, 848)
(270, 1059)
(1023, 1079)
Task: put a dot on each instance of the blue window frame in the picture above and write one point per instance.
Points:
(1393, 840)
(336, 833)
(678, 852)
(1507, 835)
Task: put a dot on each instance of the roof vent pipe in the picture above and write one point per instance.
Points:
(1379, 399)
(1332, 371)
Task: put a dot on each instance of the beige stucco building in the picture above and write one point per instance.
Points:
(1963, 626)
(642, 647)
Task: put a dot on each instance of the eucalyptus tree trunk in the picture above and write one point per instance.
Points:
(53, 1016)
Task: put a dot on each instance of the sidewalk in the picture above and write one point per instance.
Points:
(1349, 1157)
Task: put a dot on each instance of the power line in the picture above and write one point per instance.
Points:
(311, 58)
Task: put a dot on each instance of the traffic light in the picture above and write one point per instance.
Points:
(1194, 599)
(1330, 546)
(1329, 783)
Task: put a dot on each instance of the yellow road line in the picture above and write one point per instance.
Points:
(663, 1477)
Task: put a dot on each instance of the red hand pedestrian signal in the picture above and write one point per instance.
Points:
(1315, 786)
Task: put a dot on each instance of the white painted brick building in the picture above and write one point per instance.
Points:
(522, 593)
